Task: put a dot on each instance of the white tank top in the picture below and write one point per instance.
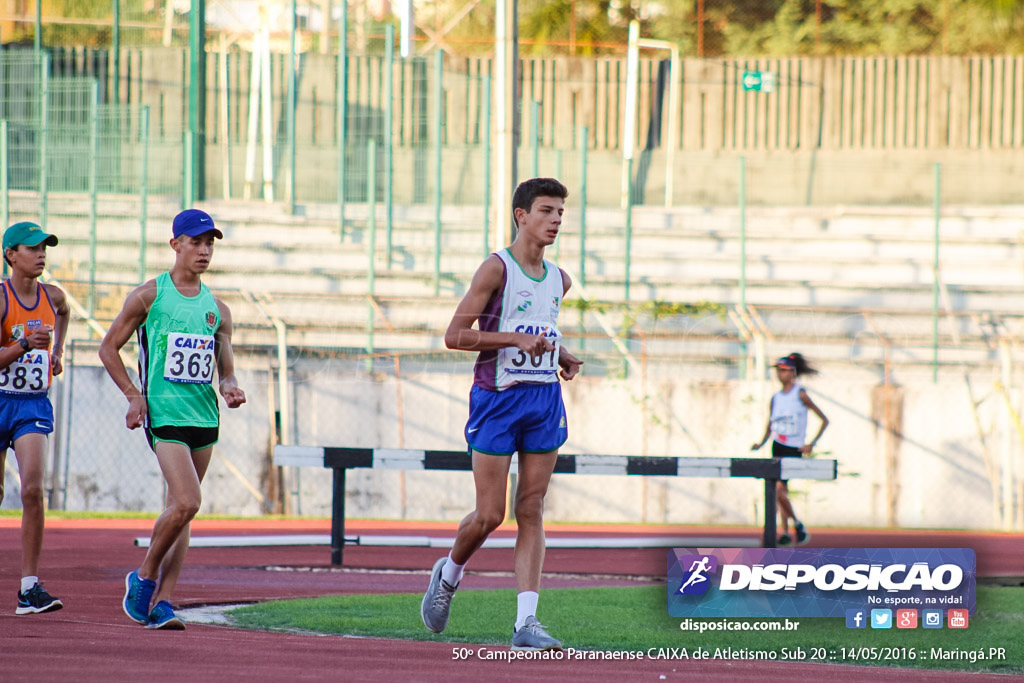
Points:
(526, 305)
(789, 417)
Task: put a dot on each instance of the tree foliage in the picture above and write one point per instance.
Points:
(787, 27)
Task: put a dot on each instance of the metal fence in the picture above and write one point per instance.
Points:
(893, 441)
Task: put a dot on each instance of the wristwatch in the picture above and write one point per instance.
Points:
(24, 343)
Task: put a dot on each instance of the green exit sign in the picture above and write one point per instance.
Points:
(759, 81)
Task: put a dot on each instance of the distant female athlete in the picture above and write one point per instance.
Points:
(787, 425)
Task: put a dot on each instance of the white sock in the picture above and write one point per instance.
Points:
(27, 582)
(451, 572)
(526, 606)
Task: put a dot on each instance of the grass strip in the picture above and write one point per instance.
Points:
(635, 619)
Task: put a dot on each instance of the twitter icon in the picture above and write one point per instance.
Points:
(881, 618)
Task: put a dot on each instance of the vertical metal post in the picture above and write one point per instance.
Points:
(144, 195)
(37, 39)
(629, 224)
(389, 127)
(338, 516)
(255, 79)
(187, 188)
(486, 137)
(93, 170)
(584, 141)
(534, 138)
(937, 211)
(585, 135)
(225, 119)
(768, 540)
(629, 123)
(44, 131)
(371, 240)
(267, 118)
(5, 207)
(507, 128)
(674, 116)
(66, 415)
(438, 129)
(197, 98)
(292, 97)
(558, 175)
(341, 97)
(743, 257)
(116, 49)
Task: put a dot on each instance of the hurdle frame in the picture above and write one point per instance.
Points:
(342, 459)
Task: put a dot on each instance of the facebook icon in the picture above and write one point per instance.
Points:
(856, 618)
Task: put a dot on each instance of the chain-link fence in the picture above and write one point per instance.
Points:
(99, 465)
(894, 441)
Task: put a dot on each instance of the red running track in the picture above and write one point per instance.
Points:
(91, 640)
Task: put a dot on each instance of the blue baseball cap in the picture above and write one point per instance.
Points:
(194, 222)
(29, 234)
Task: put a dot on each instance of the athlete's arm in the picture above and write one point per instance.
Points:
(133, 314)
(60, 331)
(807, 448)
(569, 363)
(233, 396)
(11, 353)
(767, 430)
(462, 336)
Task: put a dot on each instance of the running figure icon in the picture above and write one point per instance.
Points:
(697, 573)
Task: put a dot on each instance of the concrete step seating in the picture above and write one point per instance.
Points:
(813, 260)
(417, 324)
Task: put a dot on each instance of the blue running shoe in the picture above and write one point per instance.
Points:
(36, 601)
(138, 593)
(163, 617)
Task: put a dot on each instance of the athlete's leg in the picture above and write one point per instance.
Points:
(534, 475)
(30, 450)
(170, 567)
(183, 497)
(785, 507)
(3, 470)
(490, 474)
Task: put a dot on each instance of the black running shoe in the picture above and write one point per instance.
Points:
(784, 540)
(36, 601)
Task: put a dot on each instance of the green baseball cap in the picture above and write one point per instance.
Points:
(29, 234)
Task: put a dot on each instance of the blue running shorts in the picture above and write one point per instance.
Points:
(20, 416)
(528, 418)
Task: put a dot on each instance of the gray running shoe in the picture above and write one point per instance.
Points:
(437, 600)
(532, 636)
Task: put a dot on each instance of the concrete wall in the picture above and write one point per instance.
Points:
(774, 178)
(932, 474)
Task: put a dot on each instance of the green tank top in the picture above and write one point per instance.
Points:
(177, 359)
